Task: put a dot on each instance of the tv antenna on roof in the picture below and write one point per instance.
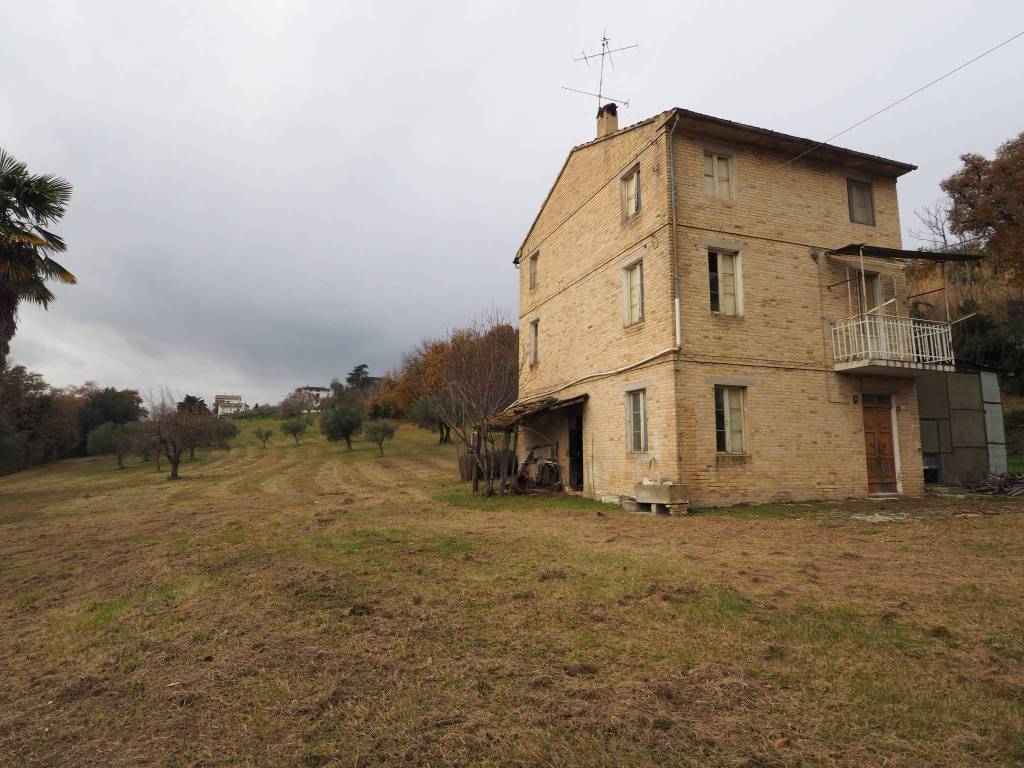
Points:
(606, 51)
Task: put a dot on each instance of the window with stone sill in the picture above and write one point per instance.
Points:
(636, 420)
(730, 435)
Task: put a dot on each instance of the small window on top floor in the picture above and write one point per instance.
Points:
(533, 266)
(717, 175)
(631, 193)
(862, 206)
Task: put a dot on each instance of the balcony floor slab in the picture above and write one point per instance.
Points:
(891, 368)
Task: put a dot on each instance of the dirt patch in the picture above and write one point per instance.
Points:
(879, 517)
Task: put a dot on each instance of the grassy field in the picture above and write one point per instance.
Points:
(314, 607)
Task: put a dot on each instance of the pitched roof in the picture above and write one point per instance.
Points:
(785, 143)
(743, 133)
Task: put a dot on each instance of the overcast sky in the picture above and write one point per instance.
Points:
(268, 193)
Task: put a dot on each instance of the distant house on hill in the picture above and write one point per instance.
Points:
(313, 396)
(227, 405)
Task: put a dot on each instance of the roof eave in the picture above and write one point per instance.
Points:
(797, 144)
(783, 143)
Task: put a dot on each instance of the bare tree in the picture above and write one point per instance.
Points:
(295, 404)
(935, 227)
(979, 282)
(177, 430)
(474, 375)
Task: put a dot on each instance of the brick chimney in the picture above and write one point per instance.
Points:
(607, 120)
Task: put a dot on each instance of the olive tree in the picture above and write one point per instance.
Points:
(295, 427)
(341, 420)
(378, 431)
(222, 431)
(110, 438)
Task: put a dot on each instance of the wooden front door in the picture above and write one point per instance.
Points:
(879, 444)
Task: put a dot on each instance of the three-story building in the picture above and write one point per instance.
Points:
(722, 309)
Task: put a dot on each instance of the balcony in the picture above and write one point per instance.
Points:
(882, 345)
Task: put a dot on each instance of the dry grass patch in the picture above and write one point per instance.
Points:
(309, 606)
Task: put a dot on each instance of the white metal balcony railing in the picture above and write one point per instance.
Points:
(889, 338)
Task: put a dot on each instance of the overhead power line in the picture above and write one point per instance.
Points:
(900, 101)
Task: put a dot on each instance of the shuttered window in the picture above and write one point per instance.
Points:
(534, 267)
(729, 436)
(636, 418)
(717, 175)
(723, 280)
(862, 208)
(635, 293)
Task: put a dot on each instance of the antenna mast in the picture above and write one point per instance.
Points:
(606, 51)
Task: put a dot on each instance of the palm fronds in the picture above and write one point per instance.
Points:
(29, 204)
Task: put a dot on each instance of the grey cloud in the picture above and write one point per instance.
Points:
(269, 194)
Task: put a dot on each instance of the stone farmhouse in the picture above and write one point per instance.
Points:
(717, 313)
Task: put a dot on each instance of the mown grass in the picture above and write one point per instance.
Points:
(763, 511)
(461, 495)
(315, 606)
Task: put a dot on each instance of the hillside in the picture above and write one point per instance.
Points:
(309, 606)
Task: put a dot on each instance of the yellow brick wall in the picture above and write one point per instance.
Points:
(805, 433)
(610, 469)
(583, 246)
(803, 202)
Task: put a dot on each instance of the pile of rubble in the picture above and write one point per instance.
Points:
(1005, 485)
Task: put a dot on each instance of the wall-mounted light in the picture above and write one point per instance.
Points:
(856, 399)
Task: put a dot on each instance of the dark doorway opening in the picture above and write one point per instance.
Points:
(575, 418)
